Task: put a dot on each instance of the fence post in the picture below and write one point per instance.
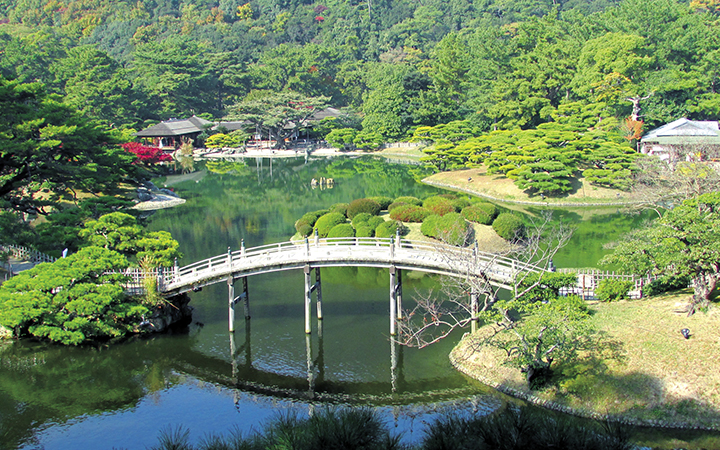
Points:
(242, 247)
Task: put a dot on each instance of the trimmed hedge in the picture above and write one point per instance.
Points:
(460, 203)
(341, 230)
(410, 200)
(304, 230)
(340, 208)
(439, 205)
(509, 226)
(326, 222)
(409, 213)
(387, 229)
(452, 228)
(361, 218)
(364, 231)
(375, 222)
(477, 215)
(397, 204)
(610, 290)
(363, 205)
(309, 219)
(384, 202)
(489, 208)
(430, 225)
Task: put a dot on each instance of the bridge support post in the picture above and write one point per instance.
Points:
(393, 301)
(318, 291)
(398, 294)
(246, 298)
(231, 304)
(474, 306)
(308, 299)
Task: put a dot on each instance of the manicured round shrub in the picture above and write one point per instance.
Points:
(305, 230)
(364, 231)
(430, 225)
(387, 229)
(439, 205)
(489, 208)
(409, 213)
(460, 203)
(477, 215)
(508, 226)
(339, 208)
(384, 202)
(341, 230)
(361, 218)
(397, 204)
(410, 200)
(309, 218)
(363, 205)
(326, 222)
(453, 229)
(375, 222)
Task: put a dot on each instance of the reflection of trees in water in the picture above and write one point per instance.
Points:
(42, 383)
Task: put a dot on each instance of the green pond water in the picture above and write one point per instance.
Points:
(204, 379)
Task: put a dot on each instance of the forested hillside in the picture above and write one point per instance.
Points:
(401, 64)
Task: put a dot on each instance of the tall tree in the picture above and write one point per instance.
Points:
(46, 147)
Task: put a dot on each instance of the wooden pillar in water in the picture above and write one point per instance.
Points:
(318, 291)
(231, 304)
(246, 298)
(393, 302)
(308, 299)
(398, 294)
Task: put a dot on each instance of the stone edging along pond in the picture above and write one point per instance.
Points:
(460, 364)
(524, 202)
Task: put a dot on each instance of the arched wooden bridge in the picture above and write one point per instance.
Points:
(392, 253)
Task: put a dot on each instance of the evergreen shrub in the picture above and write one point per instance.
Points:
(410, 200)
(361, 218)
(387, 229)
(340, 208)
(665, 284)
(477, 215)
(489, 208)
(363, 205)
(409, 213)
(375, 222)
(341, 230)
(460, 203)
(439, 205)
(364, 230)
(397, 204)
(309, 218)
(430, 225)
(453, 229)
(384, 202)
(304, 230)
(611, 290)
(508, 226)
(326, 222)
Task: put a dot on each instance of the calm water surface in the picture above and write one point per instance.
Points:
(204, 379)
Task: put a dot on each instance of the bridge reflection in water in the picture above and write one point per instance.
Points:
(315, 364)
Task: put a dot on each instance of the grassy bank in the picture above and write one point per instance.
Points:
(500, 188)
(642, 370)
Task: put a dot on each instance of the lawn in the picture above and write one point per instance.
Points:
(641, 368)
(500, 188)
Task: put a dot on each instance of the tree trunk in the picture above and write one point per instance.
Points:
(703, 285)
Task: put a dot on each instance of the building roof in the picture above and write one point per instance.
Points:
(175, 127)
(684, 131)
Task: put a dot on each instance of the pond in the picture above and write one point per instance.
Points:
(208, 381)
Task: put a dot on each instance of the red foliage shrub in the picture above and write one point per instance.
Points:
(145, 154)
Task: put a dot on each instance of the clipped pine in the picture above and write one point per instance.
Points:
(340, 208)
(375, 222)
(341, 230)
(387, 229)
(409, 213)
(509, 226)
(410, 200)
(439, 205)
(430, 225)
(489, 208)
(363, 205)
(453, 229)
(326, 222)
(384, 202)
(364, 231)
(305, 230)
(361, 218)
(477, 215)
